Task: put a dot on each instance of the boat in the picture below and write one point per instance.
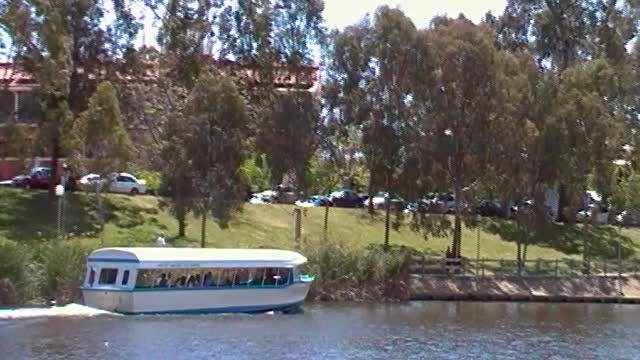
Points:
(192, 280)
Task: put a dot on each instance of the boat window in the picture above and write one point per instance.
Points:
(145, 278)
(271, 277)
(242, 277)
(108, 276)
(226, 277)
(285, 273)
(125, 277)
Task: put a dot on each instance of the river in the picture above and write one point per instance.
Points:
(416, 330)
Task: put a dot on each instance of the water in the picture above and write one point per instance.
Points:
(418, 330)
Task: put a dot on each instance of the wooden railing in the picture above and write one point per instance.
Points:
(424, 266)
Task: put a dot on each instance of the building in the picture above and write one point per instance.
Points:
(19, 101)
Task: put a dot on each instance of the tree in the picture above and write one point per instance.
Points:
(456, 92)
(214, 138)
(62, 43)
(344, 98)
(275, 39)
(99, 140)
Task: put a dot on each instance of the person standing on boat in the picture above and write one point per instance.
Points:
(160, 242)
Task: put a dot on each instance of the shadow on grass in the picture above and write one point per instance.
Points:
(32, 215)
(600, 241)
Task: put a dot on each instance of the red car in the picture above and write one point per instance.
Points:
(38, 178)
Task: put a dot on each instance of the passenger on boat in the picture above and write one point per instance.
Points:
(208, 280)
(181, 282)
(269, 277)
(197, 282)
(162, 282)
(191, 281)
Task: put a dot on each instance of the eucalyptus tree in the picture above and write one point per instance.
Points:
(276, 40)
(62, 43)
(214, 138)
(99, 141)
(455, 95)
(345, 108)
(565, 32)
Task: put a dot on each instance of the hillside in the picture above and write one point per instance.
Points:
(26, 216)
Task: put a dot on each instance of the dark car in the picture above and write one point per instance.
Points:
(489, 209)
(38, 178)
(345, 198)
(14, 181)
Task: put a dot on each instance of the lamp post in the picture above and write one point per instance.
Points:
(455, 250)
(59, 191)
(387, 209)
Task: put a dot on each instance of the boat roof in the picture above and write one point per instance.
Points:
(163, 257)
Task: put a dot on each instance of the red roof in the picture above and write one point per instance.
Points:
(307, 78)
(12, 75)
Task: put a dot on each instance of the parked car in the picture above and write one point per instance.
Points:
(345, 198)
(38, 178)
(14, 181)
(628, 218)
(260, 198)
(441, 203)
(313, 201)
(489, 208)
(123, 183)
(127, 184)
(286, 195)
(584, 215)
(88, 182)
(378, 200)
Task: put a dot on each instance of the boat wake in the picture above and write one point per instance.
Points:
(71, 310)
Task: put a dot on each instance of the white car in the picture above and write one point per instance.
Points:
(260, 198)
(123, 183)
(127, 184)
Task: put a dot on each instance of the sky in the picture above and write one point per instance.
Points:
(340, 13)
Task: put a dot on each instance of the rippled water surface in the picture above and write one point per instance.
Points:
(419, 330)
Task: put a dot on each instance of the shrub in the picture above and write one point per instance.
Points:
(152, 178)
(63, 267)
(346, 273)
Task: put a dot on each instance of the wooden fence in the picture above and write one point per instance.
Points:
(424, 266)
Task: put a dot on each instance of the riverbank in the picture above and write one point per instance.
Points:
(625, 289)
(347, 259)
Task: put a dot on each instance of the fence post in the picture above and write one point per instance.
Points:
(557, 263)
(297, 225)
(326, 222)
(605, 267)
(482, 265)
(619, 270)
(423, 265)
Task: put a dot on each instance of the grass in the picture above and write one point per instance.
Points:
(42, 266)
(27, 216)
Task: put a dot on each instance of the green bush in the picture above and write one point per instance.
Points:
(63, 267)
(152, 178)
(346, 273)
(15, 260)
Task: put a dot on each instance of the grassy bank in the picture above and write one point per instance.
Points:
(42, 265)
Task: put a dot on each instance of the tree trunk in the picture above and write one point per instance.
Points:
(387, 216)
(203, 230)
(519, 255)
(55, 174)
(457, 224)
(182, 224)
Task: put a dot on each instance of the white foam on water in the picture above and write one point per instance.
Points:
(71, 310)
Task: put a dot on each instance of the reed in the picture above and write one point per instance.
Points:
(346, 273)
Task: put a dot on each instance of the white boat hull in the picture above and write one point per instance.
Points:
(197, 300)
